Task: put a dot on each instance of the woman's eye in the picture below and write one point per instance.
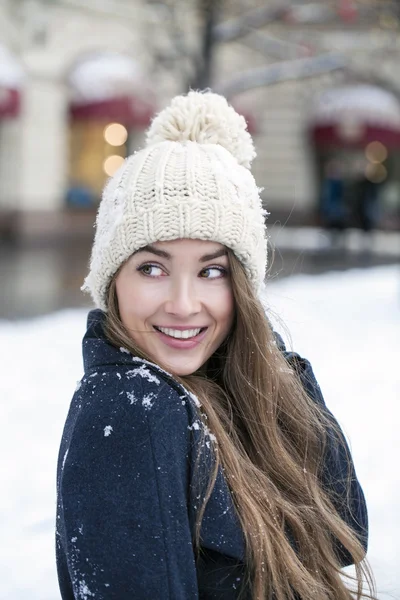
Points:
(151, 270)
(213, 272)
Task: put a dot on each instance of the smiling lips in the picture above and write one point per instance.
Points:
(181, 338)
(180, 333)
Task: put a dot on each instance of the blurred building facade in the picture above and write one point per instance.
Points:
(78, 87)
(349, 117)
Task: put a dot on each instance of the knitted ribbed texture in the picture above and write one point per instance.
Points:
(174, 190)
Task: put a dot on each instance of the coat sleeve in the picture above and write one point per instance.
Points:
(338, 475)
(124, 470)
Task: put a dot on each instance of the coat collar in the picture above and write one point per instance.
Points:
(97, 350)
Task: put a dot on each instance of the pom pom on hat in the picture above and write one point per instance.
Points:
(205, 118)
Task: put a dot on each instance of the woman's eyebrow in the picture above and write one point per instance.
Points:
(163, 254)
(217, 254)
(154, 250)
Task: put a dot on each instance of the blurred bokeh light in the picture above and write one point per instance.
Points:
(115, 134)
(112, 164)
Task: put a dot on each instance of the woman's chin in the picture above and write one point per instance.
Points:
(181, 367)
(182, 370)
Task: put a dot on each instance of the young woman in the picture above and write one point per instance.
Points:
(198, 458)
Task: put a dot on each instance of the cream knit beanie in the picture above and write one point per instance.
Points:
(192, 180)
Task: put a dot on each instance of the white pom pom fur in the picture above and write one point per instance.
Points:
(205, 118)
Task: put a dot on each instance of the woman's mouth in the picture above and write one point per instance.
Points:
(184, 334)
(181, 338)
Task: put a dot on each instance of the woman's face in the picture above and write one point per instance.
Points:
(175, 299)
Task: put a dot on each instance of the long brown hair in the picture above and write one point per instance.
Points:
(271, 436)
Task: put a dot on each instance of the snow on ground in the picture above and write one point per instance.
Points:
(347, 324)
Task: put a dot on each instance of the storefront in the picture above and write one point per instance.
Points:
(11, 81)
(111, 106)
(355, 133)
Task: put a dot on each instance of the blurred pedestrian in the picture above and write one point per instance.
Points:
(366, 204)
(198, 458)
(334, 211)
(79, 195)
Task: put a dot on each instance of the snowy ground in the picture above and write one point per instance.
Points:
(347, 324)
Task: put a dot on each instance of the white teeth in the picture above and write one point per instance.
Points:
(177, 333)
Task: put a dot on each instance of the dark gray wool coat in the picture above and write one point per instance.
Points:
(127, 498)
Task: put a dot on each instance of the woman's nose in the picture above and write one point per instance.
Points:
(183, 301)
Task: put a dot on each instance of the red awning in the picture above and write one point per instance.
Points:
(130, 111)
(10, 103)
(108, 86)
(359, 137)
(354, 115)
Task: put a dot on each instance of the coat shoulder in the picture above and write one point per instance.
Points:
(132, 402)
(139, 387)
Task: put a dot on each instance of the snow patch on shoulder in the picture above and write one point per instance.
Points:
(151, 364)
(195, 425)
(210, 435)
(131, 397)
(107, 430)
(84, 591)
(188, 394)
(147, 401)
(144, 373)
(198, 425)
(191, 397)
(194, 399)
(64, 459)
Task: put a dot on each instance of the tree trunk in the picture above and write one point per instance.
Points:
(204, 68)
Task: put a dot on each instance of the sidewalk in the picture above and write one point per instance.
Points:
(377, 243)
